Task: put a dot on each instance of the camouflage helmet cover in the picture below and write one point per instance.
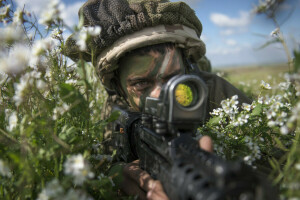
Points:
(131, 24)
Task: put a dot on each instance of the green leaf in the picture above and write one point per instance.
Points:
(15, 157)
(274, 40)
(214, 121)
(116, 172)
(68, 92)
(114, 116)
(296, 61)
(257, 110)
(71, 95)
(280, 145)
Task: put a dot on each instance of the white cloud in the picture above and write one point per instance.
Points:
(227, 32)
(231, 42)
(244, 55)
(223, 50)
(204, 38)
(191, 3)
(225, 21)
(33, 5)
(70, 15)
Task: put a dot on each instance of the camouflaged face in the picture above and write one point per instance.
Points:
(141, 76)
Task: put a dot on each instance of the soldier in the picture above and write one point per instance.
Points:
(143, 43)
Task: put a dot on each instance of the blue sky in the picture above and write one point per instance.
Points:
(232, 35)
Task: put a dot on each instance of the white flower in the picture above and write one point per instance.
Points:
(35, 74)
(60, 110)
(256, 151)
(242, 83)
(217, 111)
(4, 170)
(93, 30)
(283, 114)
(16, 61)
(284, 85)
(270, 113)
(265, 85)
(229, 106)
(82, 36)
(18, 17)
(78, 168)
(276, 105)
(4, 10)
(53, 189)
(243, 119)
(246, 106)
(12, 121)
(234, 97)
(233, 101)
(40, 84)
(52, 13)
(76, 195)
(275, 32)
(269, 77)
(247, 159)
(284, 130)
(43, 196)
(297, 166)
(220, 74)
(41, 46)
(20, 88)
(56, 32)
(247, 139)
(271, 123)
(71, 81)
(81, 39)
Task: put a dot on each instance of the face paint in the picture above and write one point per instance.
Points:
(142, 76)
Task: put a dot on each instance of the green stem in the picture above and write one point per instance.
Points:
(87, 95)
(283, 43)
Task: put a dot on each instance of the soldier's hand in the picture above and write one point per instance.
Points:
(206, 144)
(138, 182)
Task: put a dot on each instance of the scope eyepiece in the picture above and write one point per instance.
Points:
(182, 101)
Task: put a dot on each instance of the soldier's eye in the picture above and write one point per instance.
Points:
(141, 85)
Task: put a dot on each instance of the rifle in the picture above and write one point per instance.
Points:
(162, 138)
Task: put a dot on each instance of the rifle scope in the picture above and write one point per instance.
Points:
(181, 101)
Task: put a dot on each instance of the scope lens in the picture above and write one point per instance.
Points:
(184, 94)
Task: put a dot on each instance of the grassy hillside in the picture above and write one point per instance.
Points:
(248, 79)
(258, 73)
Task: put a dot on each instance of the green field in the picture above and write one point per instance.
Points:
(248, 79)
(258, 73)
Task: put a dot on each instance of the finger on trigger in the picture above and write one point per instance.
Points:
(206, 143)
(157, 192)
(139, 176)
(129, 187)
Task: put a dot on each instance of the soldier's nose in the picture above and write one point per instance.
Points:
(156, 91)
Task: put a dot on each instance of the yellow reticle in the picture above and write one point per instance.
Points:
(184, 95)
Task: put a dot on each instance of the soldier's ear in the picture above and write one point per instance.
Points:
(115, 83)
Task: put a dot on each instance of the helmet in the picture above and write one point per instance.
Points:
(130, 24)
